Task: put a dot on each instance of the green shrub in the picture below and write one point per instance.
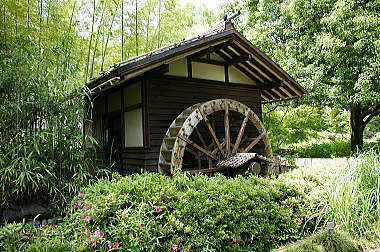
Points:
(151, 212)
(324, 242)
(324, 150)
(42, 155)
(15, 236)
(337, 242)
(353, 199)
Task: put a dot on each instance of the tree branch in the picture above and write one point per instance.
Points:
(331, 84)
(372, 115)
(370, 111)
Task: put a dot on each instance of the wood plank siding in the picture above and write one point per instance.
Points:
(168, 97)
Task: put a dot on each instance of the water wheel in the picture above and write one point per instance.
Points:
(214, 136)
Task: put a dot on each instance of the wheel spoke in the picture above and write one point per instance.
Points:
(204, 144)
(254, 142)
(227, 131)
(201, 138)
(212, 132)
(241, 132)
(208, 153)
(191, 151)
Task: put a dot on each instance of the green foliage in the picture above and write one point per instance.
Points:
(47, 49)
(15, 236)
(151, 212)
(344, 191)
(338, 242)
(321, 242)
(292, 125)
(353, 200)
(42, 155)
(331, 47)
(321, 150)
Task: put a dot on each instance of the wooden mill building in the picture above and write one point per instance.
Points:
(141, 105)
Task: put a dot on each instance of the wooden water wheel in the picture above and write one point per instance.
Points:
(214, 136)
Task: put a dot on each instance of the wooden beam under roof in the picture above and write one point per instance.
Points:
(230, 62)
(209, 61)
(225, 57)
(210, 50)
(268, 83)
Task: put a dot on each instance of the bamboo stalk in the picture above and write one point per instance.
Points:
(122, 30)
(136, 38)
(159, 24)
(89, 46)
(108, 36)
(96, 41)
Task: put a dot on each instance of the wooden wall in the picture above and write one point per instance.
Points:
(164, 98)
(168, 97)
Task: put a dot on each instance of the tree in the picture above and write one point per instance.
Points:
(332, 47)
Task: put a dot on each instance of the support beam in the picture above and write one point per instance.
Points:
(211, 49)
(212, 132)
(241, 132)
(209, 61)
(238, 59)
(254, 142)
(206, 152)
(189, 68)
(226, 74)
(227, 135)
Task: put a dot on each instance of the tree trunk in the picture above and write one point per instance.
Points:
(357, 128)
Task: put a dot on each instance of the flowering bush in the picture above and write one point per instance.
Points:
(151, 212)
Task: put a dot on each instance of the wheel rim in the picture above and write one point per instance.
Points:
(211, 132)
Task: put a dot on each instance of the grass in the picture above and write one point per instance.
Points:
(201, 212)
(323, 241)
(345, 192)
(353, 199)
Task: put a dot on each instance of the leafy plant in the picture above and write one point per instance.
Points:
(151, 212)
(324, 241)
(354, 199)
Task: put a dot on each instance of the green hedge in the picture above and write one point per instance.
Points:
(151, 212)
(324, 150)
(324, 241)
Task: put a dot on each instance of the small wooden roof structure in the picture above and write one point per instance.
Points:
(275, 84)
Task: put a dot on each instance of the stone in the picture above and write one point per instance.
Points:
(17, 213)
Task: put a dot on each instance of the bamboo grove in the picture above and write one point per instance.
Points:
(48, 50)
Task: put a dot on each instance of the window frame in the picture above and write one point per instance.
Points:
(142, 106)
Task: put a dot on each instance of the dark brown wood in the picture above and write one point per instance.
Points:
(231, 37)
(226, 74)
(227, 132)
(164, 98)
(253, 143)
(146, 121)
(206, 152)
(210, 49)
(257, 64)
(197, 80)
(212, 132)
(209, 61)
(201, 138)
(241, 69)
(189, 68)
(122, 117)
(240, 135)
(238, 59)
(264, 80)
(268, 62)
